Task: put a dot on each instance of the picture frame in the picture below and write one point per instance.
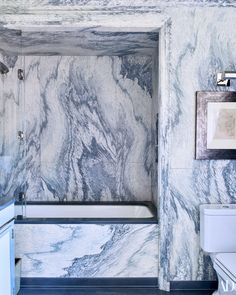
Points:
(215, 125)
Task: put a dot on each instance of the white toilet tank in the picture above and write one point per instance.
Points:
(218, 228)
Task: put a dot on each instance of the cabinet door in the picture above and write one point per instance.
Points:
(6, 260)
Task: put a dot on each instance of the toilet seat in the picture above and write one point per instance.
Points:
(226, 262)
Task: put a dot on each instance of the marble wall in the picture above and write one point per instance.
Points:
(82, 41)
(89, 134)
(197, 39)
(87, 250)
(11, 149)
(196, 58)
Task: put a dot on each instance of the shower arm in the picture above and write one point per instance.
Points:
(223, 78)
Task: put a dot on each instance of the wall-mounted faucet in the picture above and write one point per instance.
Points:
(3, 68)
(223, 78)
(22, 201)
(20, 135)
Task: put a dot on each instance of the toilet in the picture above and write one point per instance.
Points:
(218, 239)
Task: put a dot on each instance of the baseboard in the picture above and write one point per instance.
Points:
(115, 283)
(89, 282)
(193, 285)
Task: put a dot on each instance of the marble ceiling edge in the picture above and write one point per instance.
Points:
(21, 8)
(140, 27)
(99, 20)
(94, 12)
(14, 6)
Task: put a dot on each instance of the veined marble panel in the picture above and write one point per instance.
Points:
(32, 128)
(186, 183)
(24, 5)
(197, 60)
(155, 127)
(10, 41)
(87, 124)
(87, 250)
(11, 149)
(89, 128)
(124, 20)
(212, 183)
(88, 41)
(95, 41)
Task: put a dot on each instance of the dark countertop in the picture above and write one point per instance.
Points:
(5, 200)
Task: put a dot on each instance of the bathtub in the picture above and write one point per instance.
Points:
(137, 211)
(74, 241)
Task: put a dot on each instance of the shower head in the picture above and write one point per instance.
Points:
(3, 68)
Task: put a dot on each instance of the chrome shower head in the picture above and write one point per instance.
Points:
(3, 68)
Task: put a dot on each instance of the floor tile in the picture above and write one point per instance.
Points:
(81, 291)
(107, 291)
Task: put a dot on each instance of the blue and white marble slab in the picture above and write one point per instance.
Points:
(78, 41)
(23, 6)
(100, 140)
(11, 148)
(88, 128)
(196, 60)
(89, 41)
(88, 250)
(186, 183)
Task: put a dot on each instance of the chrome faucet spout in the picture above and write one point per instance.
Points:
(223, 78)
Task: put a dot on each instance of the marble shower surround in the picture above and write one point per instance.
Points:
(89, 128)
(87, 250)
(197, 39)
(11, 150)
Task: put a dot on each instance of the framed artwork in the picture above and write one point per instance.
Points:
(215, 125)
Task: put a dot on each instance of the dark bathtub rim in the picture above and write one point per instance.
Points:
(85, 221)
(151, 220)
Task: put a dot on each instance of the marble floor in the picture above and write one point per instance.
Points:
(107, 291)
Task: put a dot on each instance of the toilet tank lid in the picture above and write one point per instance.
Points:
(218, 209)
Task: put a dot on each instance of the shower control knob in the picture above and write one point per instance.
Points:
(20, 74)
(20, 135)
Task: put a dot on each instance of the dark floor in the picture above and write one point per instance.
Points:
(107, 291)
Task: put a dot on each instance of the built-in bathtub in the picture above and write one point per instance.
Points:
(77, 211)
(87, 240)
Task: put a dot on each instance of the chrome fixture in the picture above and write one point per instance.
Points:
(20, 74)
(3, 68)
(22, 201)
(20, 135)
(223, 78)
